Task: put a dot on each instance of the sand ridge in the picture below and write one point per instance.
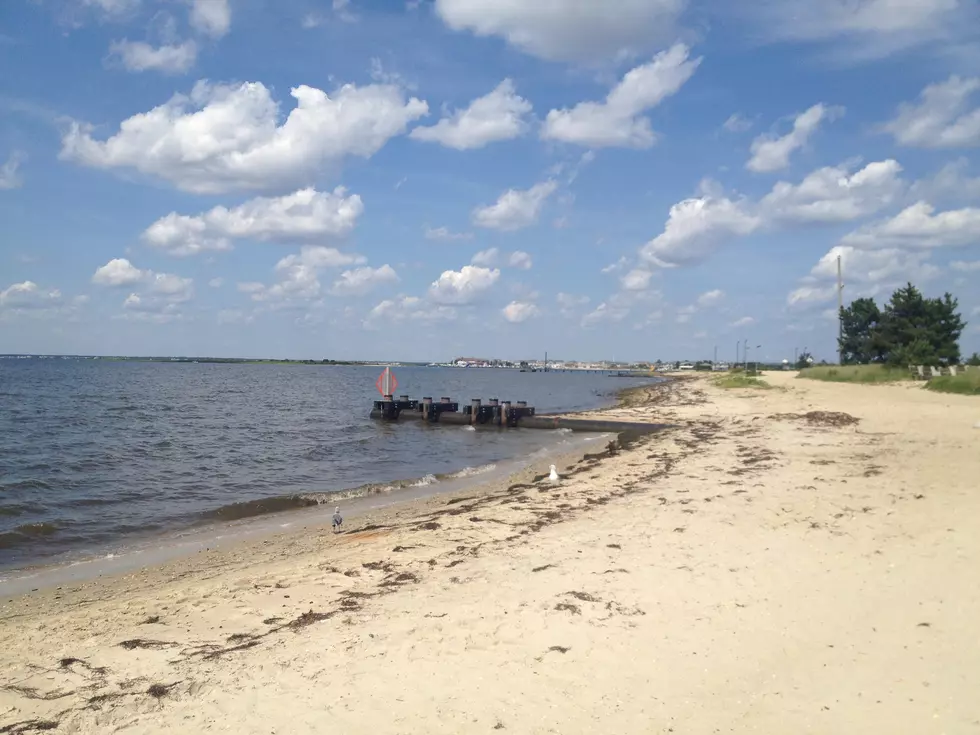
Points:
(801, 559)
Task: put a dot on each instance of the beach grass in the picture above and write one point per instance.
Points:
(856, 373)
(740, 380)
(966, 384)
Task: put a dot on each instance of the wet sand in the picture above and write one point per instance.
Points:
(802, 559)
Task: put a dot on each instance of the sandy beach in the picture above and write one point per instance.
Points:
(802, 559)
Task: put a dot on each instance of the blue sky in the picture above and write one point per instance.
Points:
(382, 179)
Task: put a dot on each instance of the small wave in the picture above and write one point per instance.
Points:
(13, 510)
(469, 428)
(298, 501)
(262, 506)
(25, 485)
(27, 533)
(471, 471)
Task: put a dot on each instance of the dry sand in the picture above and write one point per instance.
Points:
(753, 570)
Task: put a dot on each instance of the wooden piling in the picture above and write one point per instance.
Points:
(474, 410)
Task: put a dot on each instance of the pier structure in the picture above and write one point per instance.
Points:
(495, 413)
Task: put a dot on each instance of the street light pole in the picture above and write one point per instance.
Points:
(840, 315)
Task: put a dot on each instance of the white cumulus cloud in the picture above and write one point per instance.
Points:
(833, 194)
(920, 226)
(169, 287)
(637, 279)
(771, 153)
(866, 273)
(407, 308)
(711, 298)
(515, 209)
(567, 30)
(360, 281)
(487, 258)
(464, 286)
(28, 296)
(498, 115)
(118, 272)
(861, 30)
(618, 121)
(211, 17)
(950, 183)
(519, 311)
(521, 260)
(297, 277)
(943, 117)
(304, 214)
(140, 56)
(223, 138)
(696, 226)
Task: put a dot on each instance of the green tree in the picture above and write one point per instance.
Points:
(804, 361)
(860, 340)
(920, 331)
(974, 359)
(910, 330)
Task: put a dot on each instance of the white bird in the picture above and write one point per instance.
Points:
(554, 474)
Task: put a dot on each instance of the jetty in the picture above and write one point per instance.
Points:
(495, 413)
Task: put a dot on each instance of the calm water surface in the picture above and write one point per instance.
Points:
(94, 452)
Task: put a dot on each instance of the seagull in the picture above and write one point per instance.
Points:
(554, 474)
(338, 520)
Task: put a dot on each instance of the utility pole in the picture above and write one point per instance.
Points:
(745, 354)
(840, 316)
(715, 361)
(736, 353)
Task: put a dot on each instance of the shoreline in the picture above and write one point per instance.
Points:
(231, 519)
(165, 546)
(722, 574)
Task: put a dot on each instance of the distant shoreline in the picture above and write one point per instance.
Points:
(625, 371)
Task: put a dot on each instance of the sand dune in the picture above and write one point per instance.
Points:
(802, 559)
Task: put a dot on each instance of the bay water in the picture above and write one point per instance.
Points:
(97, 453)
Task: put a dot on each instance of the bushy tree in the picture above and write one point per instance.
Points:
(861, 341)
(910, 330)
(974, 359)
(921, 331)
(804, 361)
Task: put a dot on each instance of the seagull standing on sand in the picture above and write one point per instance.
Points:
(554, 477)
(338, 520)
